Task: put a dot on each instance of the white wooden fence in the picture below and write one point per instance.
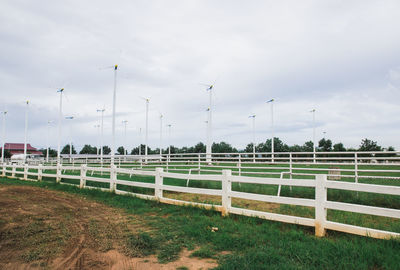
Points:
(320, 203)
(339, 165)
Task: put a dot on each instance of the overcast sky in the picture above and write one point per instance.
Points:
(340, 57)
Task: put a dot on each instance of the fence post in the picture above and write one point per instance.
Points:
(58, 173)
(14, 168)
(199, 167)
(290, 168)
(113, 177)
(40, 169)
(158, 192)
(320, 201)
(226, 189)
(82, 183)
(356, 167)
(240, 164)
(168, 157)
(25, 171)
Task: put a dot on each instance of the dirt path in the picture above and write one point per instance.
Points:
(44, 229)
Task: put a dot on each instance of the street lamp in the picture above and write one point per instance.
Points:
(209, 126)
(272, 128)
(113, 115)
(59, 127)
(4, 136)
(49, 122)
(125, 148)
(161, 117)
(254, 136)
(313, 113)
(101, 135)
(98, 140)
(70, 135)
(140, 142)
(169, 141)
(26, 129)
(147, 127)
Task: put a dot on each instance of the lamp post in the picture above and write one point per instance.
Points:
(26, 129)
(49, 122)
(101, 135)
(254, 136)
(169, 141)
(59, 127)
(4, 136)
(272, 128)
(161, 117)
(313, 113)
(125, 148)
(147, 128)
(70, 137)
(113, 115)
(140, 141)
(98, 139)
(209, 127)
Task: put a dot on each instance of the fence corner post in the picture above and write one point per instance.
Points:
(158, 192)
(58, 173)
(40, 170)
(82, 182)
(113, 178)
(226, 190)
(320, 202)
(26, 171)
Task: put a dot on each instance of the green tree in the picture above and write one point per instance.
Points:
(223, 147)
(121, 150)
(338, 147)
(308, 146)
(325, 145)
(279, 146)
(199, 148)
(88, 149)
(52, 152)
(106, 150)
(249, 148)
(66, 148)
(295, 148)
(135, 151)
(369, 145)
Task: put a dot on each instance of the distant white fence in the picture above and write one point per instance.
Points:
(338, 165)
(320, 203)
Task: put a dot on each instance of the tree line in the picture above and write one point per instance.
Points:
(324, 145)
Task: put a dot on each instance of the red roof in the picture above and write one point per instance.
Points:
(18, 146)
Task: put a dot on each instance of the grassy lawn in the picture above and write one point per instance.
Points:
(240, 242)
(371, 199)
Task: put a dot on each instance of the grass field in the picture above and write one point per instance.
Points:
(240, 242)
(363, 198)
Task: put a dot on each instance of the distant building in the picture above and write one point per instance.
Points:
(18, 148)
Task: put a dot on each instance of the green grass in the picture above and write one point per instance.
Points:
(251, 243)
(371, 199)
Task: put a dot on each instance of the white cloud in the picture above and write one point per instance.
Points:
(339, 57)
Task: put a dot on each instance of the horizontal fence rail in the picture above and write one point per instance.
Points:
(122, 180)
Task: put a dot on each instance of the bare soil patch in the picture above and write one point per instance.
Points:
(45, 229)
